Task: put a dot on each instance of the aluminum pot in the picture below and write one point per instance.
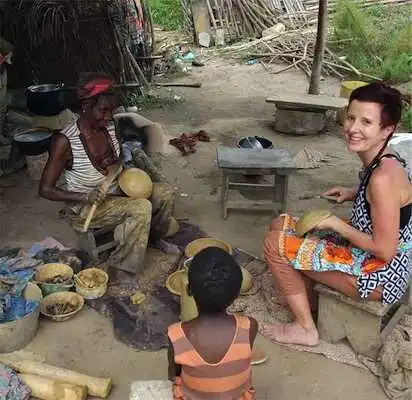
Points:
(246, 143)
(46, 100)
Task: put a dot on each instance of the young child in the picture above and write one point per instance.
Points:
(210, 356)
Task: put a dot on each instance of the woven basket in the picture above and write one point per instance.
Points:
(61, 297)
(199, 244)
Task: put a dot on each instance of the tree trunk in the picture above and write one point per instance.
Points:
(321, 35)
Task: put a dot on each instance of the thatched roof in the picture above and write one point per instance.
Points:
(56, 40)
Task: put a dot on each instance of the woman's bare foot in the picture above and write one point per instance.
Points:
(293, 333)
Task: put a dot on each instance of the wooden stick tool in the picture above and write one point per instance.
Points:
(114, 171)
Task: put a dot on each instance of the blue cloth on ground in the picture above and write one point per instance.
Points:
(11, 387)
(13, 305)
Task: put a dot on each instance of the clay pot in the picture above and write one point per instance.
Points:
(200, 244)
(136, 183)
(188, 307)
(247, 281)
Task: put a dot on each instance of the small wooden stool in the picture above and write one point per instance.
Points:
(96, 241)
(365, 324)
(275, 162)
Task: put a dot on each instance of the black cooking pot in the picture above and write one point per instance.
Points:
(46, 100)
(33, 142)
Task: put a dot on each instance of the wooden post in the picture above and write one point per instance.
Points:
(201, 20)
(321, 35)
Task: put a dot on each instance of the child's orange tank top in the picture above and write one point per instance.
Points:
(229, 379)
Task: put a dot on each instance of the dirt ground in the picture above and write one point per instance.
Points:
(229, 105)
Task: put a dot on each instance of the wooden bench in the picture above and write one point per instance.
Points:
(365, 324)
(303, 114)
(96, 241)
(275, 162)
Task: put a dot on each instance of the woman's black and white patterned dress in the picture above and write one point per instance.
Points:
(394, 277)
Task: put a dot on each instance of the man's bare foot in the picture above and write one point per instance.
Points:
(293, 333)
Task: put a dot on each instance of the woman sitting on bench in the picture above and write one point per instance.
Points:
(370, 256)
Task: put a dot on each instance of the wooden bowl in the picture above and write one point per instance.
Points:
(61, 297)
(199, 244)
(310, 220)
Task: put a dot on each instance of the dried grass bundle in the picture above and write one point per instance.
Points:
(56, 40)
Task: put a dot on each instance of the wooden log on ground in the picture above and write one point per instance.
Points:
(99, 387)
(49, 389)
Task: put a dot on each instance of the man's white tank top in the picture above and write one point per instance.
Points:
(83, 177)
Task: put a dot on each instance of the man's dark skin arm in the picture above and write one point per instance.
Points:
(174, 369)
(59, 159)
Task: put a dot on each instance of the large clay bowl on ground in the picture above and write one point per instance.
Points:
(47, 272)
(136, 183)
(310, 220)
(199, 244)
(75, 301)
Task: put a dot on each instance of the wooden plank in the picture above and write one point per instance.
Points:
(201, 20)
(253, 158)
(308, 100)
(253, 205)
(252, 186)
(259, 171)
(281, 188)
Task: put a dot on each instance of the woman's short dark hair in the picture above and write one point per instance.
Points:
(389, 98)
(215, 279)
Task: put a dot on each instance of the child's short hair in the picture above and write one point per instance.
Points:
(215, 279)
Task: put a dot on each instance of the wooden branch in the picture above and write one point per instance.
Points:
(212, 17)
(142, 78)
(296, 62)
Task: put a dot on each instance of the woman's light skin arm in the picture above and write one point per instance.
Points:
(384, 200)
